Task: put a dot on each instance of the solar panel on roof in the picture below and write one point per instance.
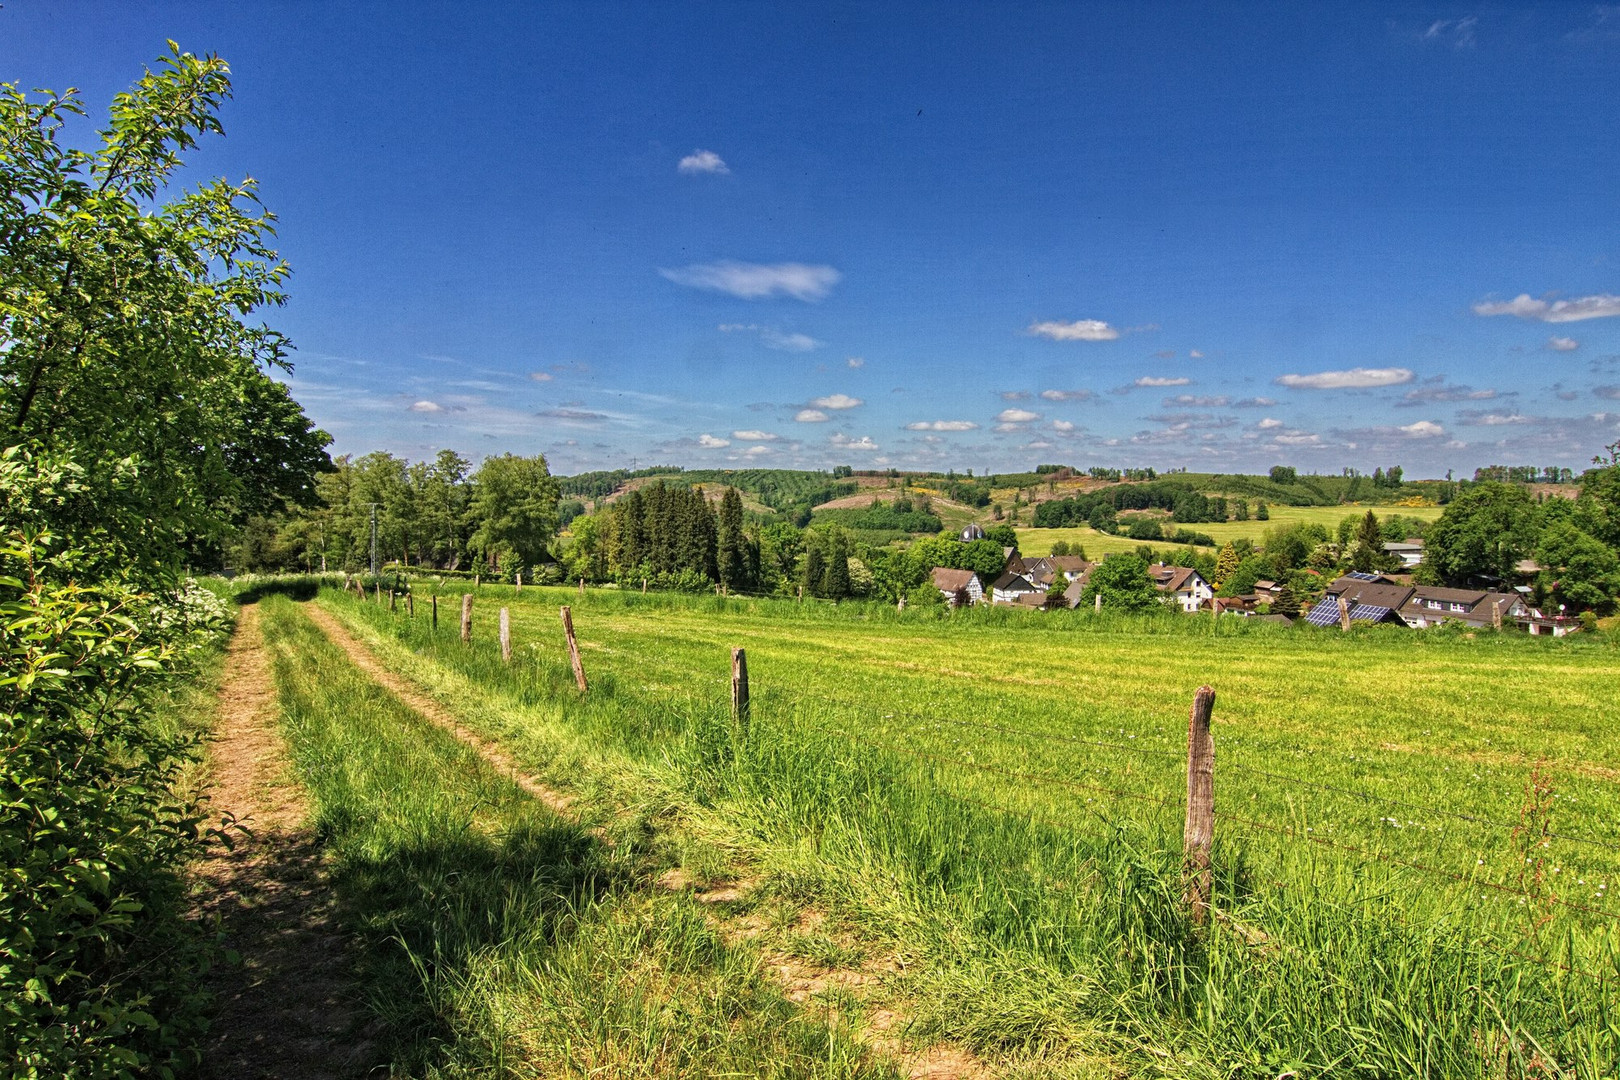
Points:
(1361, 576)
(1371, 612)
(1325, 613)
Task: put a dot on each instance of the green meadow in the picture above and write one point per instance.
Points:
(1033, 541)
(1416, 834)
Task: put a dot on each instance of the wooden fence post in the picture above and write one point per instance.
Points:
(1200, 832)
(466, 618)
(643, 586)
(435, 610)
(377, 591)
(519, 582)
(1097, 606)
(1496, 616)
(1344, 614)
(573, 648)
(582, 588)
(410, 605)
(393, 602)
(739, 686)
(475, 580)
(506, 636)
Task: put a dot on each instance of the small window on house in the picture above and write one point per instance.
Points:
(1435, 604)
(1459, 607)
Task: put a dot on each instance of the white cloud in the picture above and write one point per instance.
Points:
(856, 361)
(1254, 403)
(1062, 425)
(772, 337)
(844, 442)
(756, 451)
(1079, 330)
(758, 281)
(1297, 438)
(703, 161)
(709, 442)
(540, 376)
(1598, 306)
(1494, 419)
(1436, 390)
(1066, 395)
(1196, 355)
(1423, 429)
(755, 436)
(811, 416)
(1354, 379)
(1563, 344)
(1016, 416)
(1162, 380)
(837, 401)
(942, 425)
(1199, 401)
(427, 406)
(1269, 423)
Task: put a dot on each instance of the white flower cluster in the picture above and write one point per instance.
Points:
(191, 609)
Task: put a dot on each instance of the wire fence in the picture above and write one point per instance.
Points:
(762, 694)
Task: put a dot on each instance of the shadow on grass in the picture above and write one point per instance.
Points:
(431, 906)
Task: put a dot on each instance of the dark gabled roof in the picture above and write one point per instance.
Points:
(1033, 599)
(1070, 564)
(1011, 582)
(1372, 590)
(1073, 592)
(1172, 578)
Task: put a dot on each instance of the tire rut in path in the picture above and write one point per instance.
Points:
(502, 762)
(290, 1009)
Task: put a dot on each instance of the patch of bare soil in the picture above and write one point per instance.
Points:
(289, 1010)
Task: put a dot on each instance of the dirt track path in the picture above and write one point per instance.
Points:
(289, 1010)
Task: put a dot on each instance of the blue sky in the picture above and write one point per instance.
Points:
(927, 235)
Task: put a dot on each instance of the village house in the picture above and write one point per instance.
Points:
(959, 586)
(1007, 588)
(1409, 552)
(1182, 584)
(1368, 597)
(1429, 606)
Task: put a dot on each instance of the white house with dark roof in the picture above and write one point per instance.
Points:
(1182, 584)
(1007, 588)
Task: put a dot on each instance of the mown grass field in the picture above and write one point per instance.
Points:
(999, 794)
(1033, 541)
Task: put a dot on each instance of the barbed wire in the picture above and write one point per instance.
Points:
(1389, 801)
(1436, 871)
(1009, 773)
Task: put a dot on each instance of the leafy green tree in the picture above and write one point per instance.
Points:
(514, 502)
(1250, 570)
(126, 340)
(1123, 583)
(1261, 513)
(1286, 602)
(836, 583)
(1578, 570)
(1060, 547)
(1484, 531)
(1004, 535)
(1283, 474)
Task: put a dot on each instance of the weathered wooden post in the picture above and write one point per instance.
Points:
(573, 648)
(410, 605)
(1344, 614)
(739, 687)
(393, 602)
(475, 580)
(1200, 832)
(901, 606)
(582, 588)
(506, 636)
(519, 580)
(643, 586)
(377, 591)
(801, 594)
(1097, 605)
(466, 618)
(435, 610)
(1496, 616)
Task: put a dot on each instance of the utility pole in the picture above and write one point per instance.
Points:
(373, 538)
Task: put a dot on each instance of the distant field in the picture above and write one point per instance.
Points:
(1010, 784)
(1039, 541)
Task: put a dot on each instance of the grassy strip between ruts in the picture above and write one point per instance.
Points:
(1033, 934)
(501, 938)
